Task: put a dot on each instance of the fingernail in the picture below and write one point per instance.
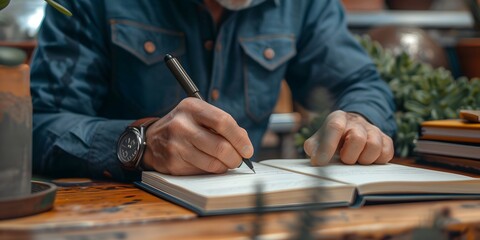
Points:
(313, 156)
(246, 151)
(322, 159)
(314, 150)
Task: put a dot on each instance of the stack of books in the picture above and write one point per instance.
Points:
(453, 143)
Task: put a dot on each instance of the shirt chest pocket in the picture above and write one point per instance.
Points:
(140, 76)
(265, 59)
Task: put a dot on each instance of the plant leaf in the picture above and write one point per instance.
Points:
(59, 7)
(4, 4)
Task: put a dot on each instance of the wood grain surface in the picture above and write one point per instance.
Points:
(99, 205)
(121, 211)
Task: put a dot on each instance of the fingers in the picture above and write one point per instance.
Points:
(387, 151)
(187, 160)
(372, 149)
(356, 140)
(203, 162)
(183, 142)
(178, 155)
(222, 124)
(322, 146)
(377, 148)
(216, 146)
(354, 145)
(311, 144)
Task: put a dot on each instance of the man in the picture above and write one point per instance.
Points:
(99, 71)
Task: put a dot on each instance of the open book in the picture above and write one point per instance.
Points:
(292, 183)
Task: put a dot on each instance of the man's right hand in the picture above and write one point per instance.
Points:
(195, 138)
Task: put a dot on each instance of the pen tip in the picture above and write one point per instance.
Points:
(254, 171)
(168, 57)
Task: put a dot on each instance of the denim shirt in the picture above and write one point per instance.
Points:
(98, 71)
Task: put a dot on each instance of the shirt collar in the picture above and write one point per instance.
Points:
(257, 2)
(254, 2)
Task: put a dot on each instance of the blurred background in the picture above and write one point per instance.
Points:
(19, 23)
(442, 33)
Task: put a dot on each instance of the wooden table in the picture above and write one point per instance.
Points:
(108, 210)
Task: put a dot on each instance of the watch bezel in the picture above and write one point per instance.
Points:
(132, 162)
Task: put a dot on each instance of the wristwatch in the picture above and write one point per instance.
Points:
(131, 144)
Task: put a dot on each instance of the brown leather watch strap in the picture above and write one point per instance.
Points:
(144, 122)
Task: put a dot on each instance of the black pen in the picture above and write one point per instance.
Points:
(190, 88)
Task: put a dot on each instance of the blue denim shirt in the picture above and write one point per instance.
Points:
(96, 72)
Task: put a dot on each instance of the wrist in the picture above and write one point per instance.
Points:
(359, 115)
(132, 143)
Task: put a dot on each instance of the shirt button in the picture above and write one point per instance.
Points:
(215, 94)
(269, 53)
(107, 174)
(149, 47)
(218, 47)
(208, 45)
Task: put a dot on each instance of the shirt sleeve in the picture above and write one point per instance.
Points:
(69, 81)
(331, 62)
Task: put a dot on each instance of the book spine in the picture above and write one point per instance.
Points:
(450, 139)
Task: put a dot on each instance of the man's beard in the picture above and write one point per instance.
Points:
(235, 4)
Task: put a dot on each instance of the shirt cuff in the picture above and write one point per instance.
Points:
(103, 152)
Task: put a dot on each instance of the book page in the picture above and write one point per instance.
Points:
(240, 181)
(366, 174)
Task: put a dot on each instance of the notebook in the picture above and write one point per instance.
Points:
(289, 184)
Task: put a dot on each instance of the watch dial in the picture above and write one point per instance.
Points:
(129, 146)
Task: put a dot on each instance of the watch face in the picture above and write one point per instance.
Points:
(128, 147)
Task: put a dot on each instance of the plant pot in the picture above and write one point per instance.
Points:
(15, 131)
(409, 4)
(468, 52)
(411, 40)
(26, 46)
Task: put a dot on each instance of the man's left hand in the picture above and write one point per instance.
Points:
(352, 137)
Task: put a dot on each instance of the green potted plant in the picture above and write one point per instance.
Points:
(421, 93)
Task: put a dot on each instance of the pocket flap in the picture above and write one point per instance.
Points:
(148, 43)
(270, 51)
